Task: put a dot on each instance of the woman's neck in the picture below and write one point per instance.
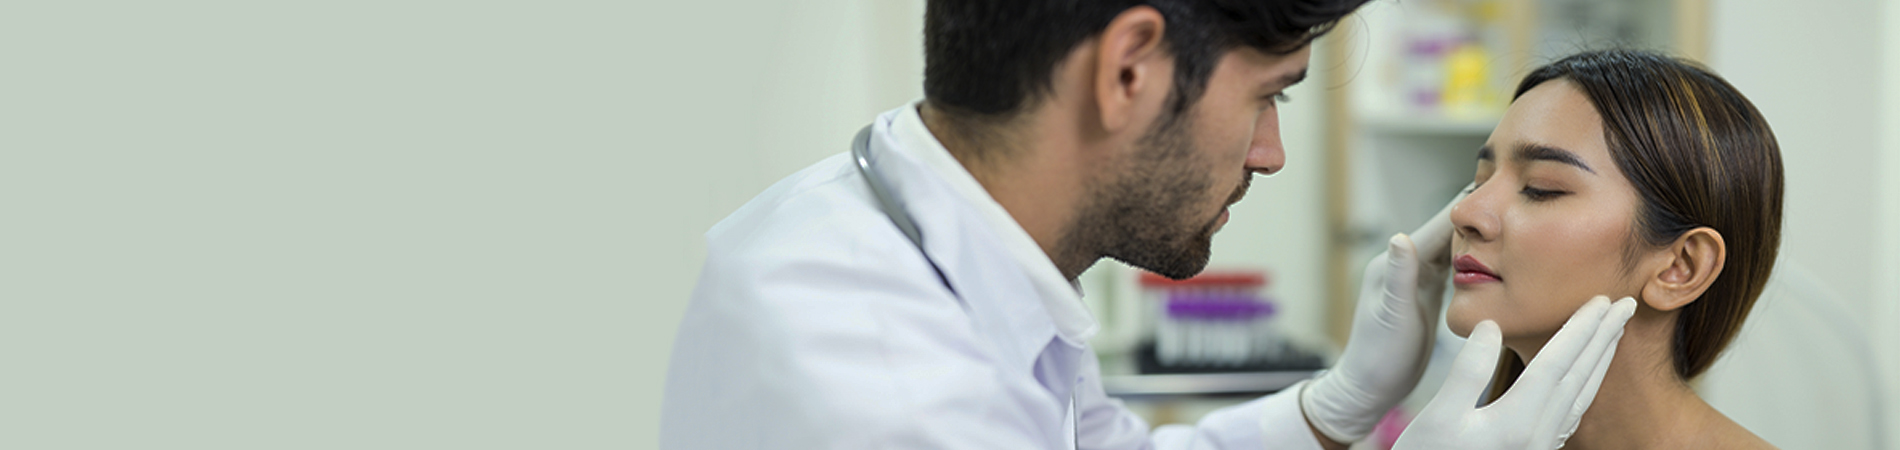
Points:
(1643, 404)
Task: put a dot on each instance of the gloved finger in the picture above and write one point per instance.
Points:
(1401, 273)
(1541, 377)
(1434, 237)
(1578, 386)
(1374, 279)
(1404, 305)
(1575, 417)
(1589, 363)
(1620, 314)
(1471, 371)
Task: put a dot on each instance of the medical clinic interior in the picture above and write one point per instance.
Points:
(1398, 100)
(474, 225)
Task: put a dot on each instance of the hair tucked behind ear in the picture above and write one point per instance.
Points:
(1699, 155)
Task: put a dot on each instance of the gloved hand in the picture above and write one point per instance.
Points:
(1392, 331)
(1542, 408)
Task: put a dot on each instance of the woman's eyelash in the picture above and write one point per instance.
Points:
(1281, 98)
(1532, 193)
(1538, 195)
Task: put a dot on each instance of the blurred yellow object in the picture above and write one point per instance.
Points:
(1467, 90)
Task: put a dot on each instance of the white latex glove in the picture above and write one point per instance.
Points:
(1392, 331)
(1542, 408)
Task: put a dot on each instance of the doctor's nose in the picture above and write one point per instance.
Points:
(1265, 154)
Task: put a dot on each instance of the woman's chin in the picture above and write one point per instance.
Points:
(1460, 327)
(1461, 317)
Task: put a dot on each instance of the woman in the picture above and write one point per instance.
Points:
(1628, 174)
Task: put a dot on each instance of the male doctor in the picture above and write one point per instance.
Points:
(927, 299)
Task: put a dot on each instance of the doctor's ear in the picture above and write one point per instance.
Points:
(1691, 264)
(1132, 67)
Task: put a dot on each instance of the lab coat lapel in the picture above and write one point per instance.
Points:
(1002, 302)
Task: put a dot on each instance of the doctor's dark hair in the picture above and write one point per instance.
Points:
(1699, 155)
(988, 60)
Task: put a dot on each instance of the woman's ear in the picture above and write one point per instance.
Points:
(1691, 265)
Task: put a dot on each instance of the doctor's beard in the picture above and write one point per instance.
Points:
(1149, 217)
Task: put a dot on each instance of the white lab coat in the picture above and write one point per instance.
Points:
(817, 325)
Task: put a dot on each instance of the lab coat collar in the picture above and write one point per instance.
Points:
(903, 131)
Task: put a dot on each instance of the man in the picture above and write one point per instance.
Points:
(927, 298)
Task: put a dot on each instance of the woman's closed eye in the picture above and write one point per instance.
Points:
(1539, 195)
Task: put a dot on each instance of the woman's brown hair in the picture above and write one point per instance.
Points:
(1699, 155)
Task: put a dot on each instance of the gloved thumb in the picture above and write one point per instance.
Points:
(1472, 370)
(1434, 236)
(1401, 275)
(1402, 304)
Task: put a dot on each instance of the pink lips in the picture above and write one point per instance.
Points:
(1470, 271)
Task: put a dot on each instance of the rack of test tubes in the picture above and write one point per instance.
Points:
(1216, 322)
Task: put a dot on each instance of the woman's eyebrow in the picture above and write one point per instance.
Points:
(1541, 152)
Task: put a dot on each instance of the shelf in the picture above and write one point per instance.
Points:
(1202, 384)
(1427, 124)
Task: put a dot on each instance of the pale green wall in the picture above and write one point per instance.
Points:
(389, 224)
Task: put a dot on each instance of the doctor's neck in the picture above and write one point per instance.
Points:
(1035, 171)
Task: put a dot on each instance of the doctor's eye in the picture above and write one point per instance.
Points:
(1274, 99)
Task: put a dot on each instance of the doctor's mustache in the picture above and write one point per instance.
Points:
(1246, 179)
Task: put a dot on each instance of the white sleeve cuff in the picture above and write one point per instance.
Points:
(1282, 423)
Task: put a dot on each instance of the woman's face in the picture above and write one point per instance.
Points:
(1546, 227)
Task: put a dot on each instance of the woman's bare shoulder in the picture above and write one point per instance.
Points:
(1723, 432)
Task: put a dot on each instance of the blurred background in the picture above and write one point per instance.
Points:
(430, 224)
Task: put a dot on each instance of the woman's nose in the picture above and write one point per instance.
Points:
(1475, 218)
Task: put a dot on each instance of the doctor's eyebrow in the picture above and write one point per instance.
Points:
(1293, 78)
(1283, 82)
(1540, 152)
